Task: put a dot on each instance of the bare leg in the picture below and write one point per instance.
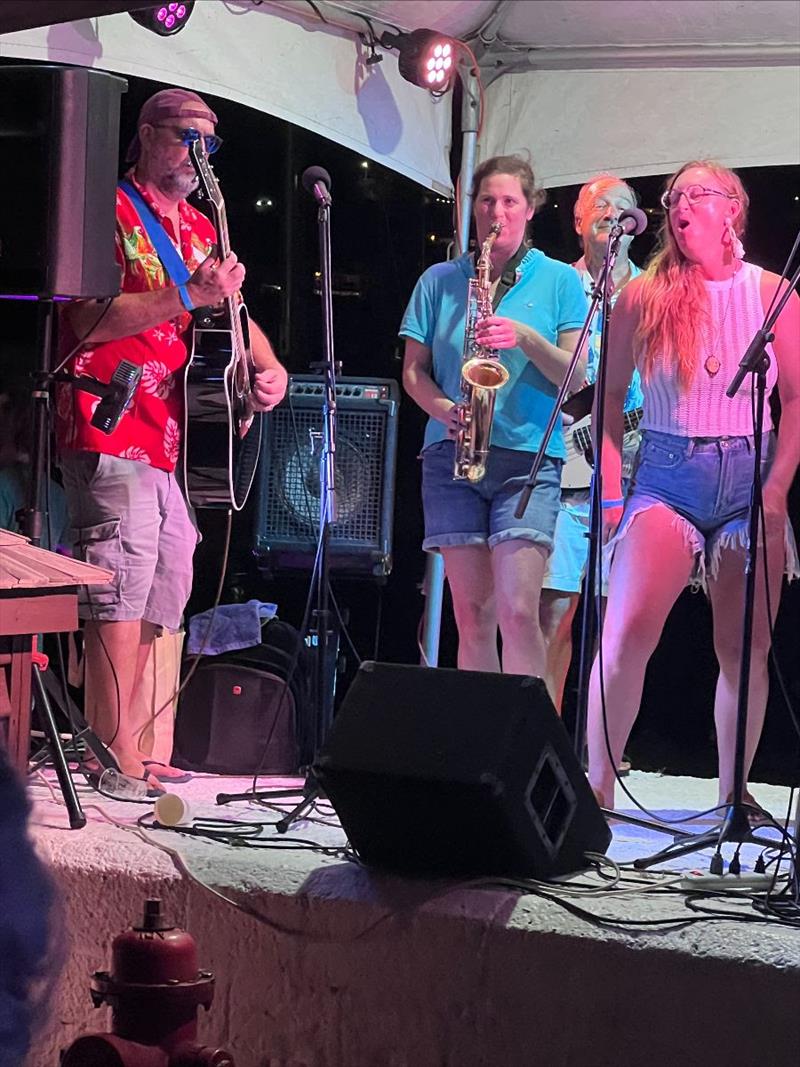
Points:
(727, 601)
(518, 572)
(652, 564)
(556, 613)
(469, 573)
(115, 655)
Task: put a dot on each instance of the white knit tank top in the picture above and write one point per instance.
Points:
(703, 410)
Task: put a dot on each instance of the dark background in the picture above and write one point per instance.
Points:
(385, 231)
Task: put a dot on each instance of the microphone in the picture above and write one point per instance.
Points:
(318, 182)
(116, 397)
(632, 220)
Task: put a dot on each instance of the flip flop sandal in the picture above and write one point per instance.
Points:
(152, 766)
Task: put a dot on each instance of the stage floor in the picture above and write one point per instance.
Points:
(321, 963)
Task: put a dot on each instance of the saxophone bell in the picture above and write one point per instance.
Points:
(483, 373)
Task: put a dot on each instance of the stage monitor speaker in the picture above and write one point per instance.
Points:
(59, 138)
(287, 523)
(459, 773)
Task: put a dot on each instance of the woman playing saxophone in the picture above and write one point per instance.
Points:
(494, 563)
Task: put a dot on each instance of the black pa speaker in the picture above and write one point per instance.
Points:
(59, 137)
(460, 773)
(287, 523)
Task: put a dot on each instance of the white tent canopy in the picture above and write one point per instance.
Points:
(634, 86)
(296, 69)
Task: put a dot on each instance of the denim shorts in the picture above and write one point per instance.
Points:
(132, 519)
(466, 513)
(707, 482)
(567, 564)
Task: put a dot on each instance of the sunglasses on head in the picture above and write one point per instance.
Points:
(190, 135)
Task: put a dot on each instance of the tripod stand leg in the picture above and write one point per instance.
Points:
(697, 843)
(77, 819)
(312, 793)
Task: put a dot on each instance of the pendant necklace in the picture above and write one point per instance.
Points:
(713, 363)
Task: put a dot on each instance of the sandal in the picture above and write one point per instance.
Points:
(152, 766)
(93, 771)
(757, 816)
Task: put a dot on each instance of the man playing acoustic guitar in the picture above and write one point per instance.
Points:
(128, 510)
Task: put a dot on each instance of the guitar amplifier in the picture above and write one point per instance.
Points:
(288, 506)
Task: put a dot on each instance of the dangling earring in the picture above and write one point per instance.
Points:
(737, 248)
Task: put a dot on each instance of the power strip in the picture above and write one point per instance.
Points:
(749, 881)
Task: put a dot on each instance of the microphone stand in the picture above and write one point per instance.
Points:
(324, 638)
(601, 297)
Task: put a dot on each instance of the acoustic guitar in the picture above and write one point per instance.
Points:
(222, 431)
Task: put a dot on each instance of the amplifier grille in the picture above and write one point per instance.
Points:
(289, 479)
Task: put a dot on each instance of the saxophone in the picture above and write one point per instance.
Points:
(482, 374)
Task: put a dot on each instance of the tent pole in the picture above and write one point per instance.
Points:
(433, 585)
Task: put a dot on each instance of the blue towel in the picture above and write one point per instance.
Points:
(227, 628)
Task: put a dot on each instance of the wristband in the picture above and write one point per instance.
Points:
(612, 503)
(186, 300)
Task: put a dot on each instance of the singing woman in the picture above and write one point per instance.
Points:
(685, 324)
(494, 563)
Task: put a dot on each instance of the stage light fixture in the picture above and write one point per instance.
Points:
(164, 19)
(425, 58)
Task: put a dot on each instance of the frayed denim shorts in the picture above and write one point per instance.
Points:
(707, 482)
(465, 513)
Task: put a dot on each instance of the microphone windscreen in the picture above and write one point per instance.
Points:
(124, 383)
(312, 175)
(637, 217)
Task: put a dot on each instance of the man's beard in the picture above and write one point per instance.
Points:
(179, 183)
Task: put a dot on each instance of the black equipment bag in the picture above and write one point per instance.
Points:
(238, 715)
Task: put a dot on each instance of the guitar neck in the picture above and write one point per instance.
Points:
(631, 419)
(582, 431)
(221, 225)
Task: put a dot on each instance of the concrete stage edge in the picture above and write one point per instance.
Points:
(349, 968)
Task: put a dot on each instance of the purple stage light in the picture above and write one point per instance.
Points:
(425, 58)
(166, 19)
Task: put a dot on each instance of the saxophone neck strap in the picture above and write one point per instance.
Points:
(508, 277)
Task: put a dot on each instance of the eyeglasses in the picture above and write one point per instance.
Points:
(190, 134)
(693, 193)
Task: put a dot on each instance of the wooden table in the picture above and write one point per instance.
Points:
(38, 594)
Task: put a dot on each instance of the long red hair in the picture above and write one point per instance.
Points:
(674, 303)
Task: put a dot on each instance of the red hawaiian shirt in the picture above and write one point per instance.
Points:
(150, 430)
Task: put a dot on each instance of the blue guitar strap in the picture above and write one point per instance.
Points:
(171, 261)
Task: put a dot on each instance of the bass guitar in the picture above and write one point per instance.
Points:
(577, 470)
(222, 431)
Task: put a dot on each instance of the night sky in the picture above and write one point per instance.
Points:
(385, 231)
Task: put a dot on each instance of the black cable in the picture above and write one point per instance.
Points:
(771, 615)
(79, 344)
(293, 663)
(343, 626)
(378, 625)
(317, 12)
(247, 835)
(76, 348)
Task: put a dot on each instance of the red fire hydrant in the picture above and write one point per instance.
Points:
(154, 990)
